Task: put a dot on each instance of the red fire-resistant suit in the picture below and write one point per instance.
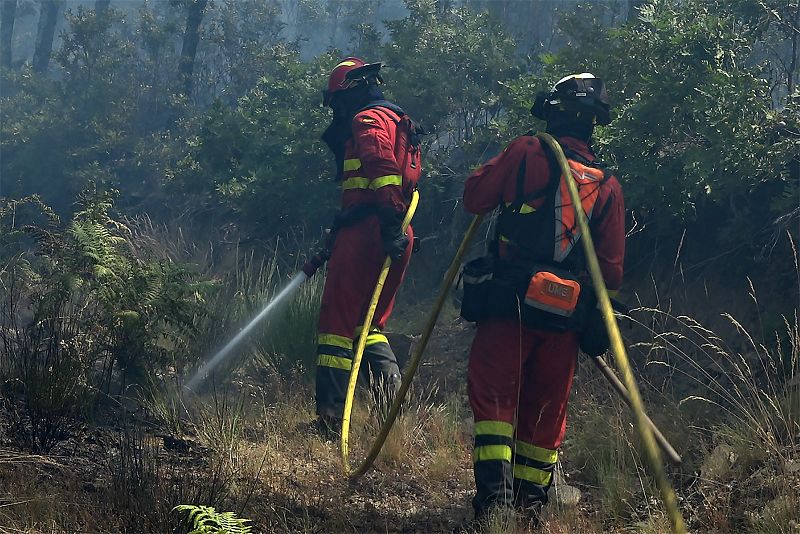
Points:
(381, 169)
(520, 378)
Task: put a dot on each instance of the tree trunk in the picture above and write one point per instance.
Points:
(795, 42)
(633, 10)
(7, 31)
(101, 6)
(48, 18)
(191, 36)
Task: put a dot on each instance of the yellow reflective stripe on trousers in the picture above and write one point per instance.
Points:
(383, 181)
(375, 338)
(546, 456)
(356, 182)
(352, 164)
(531, 474)
(494, 428)
(335, 341)
(337, 362)
(492, 452)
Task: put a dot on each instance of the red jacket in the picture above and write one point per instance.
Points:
(495, 183)
(379, 165)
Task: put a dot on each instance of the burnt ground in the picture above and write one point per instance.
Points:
(247, 448)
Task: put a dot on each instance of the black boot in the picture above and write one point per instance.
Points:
(328, 428)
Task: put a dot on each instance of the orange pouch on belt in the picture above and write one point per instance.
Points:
(551, 293)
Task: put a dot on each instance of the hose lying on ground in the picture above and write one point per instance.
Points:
(362, 341)
(419, 349)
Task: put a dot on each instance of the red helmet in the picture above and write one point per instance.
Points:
(348, 73)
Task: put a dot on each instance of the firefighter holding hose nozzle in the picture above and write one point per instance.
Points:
(531, 296)
(376, 147)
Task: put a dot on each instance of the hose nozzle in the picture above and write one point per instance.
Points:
(315, 262)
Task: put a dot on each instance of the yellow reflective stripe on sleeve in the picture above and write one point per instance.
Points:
(335, 341)
(546, 456)
(356, 182)
(383, 181)
(337, 362)
(352, 164)
(375, 338)
(494, 428)
(531, 474)
(492, 452)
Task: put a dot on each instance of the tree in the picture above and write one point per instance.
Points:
(48, 19)
(696, 139)
(101, 6)
(7, 31)
(264, 158)
(191, 36)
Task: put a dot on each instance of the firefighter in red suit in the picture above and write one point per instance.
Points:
(520, 375)
(378, 165)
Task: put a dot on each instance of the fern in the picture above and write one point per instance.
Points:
(206, 520)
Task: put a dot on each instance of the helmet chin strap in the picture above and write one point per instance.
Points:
(560, 126)
(345, 105)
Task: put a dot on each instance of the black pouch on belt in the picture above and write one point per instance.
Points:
(476, 276)
(485, 295)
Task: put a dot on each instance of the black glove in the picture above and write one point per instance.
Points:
(395, 241)
(319, 259)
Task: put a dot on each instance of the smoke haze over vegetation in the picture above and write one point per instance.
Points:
(162, 177)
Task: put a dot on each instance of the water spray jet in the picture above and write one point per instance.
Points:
(225, 351)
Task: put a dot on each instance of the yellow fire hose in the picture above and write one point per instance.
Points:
(362, 340)
(411, 368)
(629, 390)
(618, 348)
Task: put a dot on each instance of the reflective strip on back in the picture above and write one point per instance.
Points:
(567, 233)
(524, 209)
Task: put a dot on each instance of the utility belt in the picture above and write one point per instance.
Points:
(544, 297)
(355, 214)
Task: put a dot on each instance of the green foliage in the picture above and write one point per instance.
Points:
(447, 67)
(206, 520)
(264, 158)
(86, 308)
(696, 136)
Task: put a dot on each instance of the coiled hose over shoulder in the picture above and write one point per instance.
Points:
(618, 347)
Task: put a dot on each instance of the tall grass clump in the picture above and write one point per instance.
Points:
(739, 396)
(284, 341)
